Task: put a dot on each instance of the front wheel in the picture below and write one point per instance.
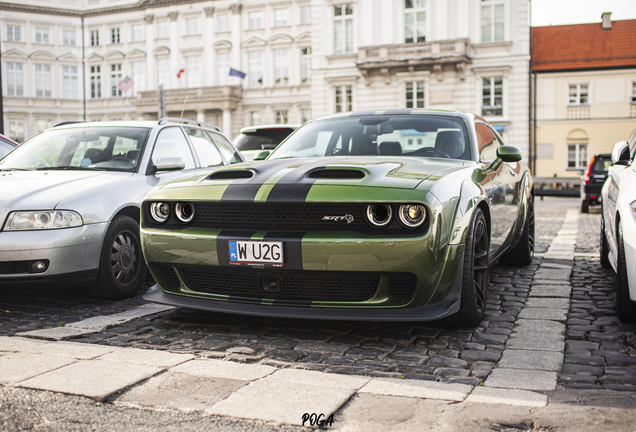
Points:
(625, 307)
(121, 266)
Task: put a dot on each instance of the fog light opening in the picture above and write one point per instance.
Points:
(38, 266)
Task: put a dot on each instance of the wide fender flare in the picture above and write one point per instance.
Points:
(471, 196)
(525, 192)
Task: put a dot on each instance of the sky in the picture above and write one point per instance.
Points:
(556, 12)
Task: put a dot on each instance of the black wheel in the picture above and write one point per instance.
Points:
(585, 206)
(475, 275)
(121, 266)
(625, 307)
(604, 248)
(523, 252)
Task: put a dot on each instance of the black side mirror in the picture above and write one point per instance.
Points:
(509, 153)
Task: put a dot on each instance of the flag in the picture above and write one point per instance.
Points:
(237, 73)
(180, 72)
(125, 84)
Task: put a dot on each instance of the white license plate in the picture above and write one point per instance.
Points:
(256, 252)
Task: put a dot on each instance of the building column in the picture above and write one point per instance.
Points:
(175, 61)
(201, 115)
(227, 123)
(150, 63)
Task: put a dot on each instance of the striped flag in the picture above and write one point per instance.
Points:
(125, 84)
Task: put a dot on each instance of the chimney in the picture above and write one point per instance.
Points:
(607, 20)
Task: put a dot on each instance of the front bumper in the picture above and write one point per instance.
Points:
(73, 253)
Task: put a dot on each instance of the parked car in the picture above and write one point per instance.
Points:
(253, 139)
(618, 226)
(72, 194)
(6, 145)
(355, 216)
(595, 177)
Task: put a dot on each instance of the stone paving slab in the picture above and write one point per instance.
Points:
(552, 274)
(97, 379)
(531, 359)
(308, 377)
(522, 379)
(16, 344)
(58, 333)
(550, 290)
(536, 342)
(546, 264)
(82, 351)
(513, 397)
(224, 369)
(544, 313)
(161, 359)
(547, 302)
(536, 326)
(417, 388)
(16, 367)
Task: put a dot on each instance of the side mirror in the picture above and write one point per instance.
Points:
(620, 154)
(167, 164)
(509, 153)
(262, 155)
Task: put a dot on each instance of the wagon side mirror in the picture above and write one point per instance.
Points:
(262, 155)
(166, 164)
(620, 154)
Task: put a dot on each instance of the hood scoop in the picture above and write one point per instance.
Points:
(231, 175)
(337, 174)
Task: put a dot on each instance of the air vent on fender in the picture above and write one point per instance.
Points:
(339, 174)
(230, 175)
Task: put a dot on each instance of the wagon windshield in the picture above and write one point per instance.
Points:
(407, 135)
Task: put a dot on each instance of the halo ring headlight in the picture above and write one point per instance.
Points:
(184, 212)
(412, 215)
(379, 215)
(160, 211)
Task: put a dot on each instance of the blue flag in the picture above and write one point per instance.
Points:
(237, 73)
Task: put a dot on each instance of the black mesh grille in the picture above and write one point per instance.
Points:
(337, 174)
(14, 267)
(169, 276)
(231, 175)
(403, 286)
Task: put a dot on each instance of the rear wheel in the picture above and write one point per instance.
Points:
(523, 252)
(625, 307)
(475, 274)
(604, 248)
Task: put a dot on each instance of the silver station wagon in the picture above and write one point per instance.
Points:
(69, 206)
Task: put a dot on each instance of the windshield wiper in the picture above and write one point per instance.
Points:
(71, 168)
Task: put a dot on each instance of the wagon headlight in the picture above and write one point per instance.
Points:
(184, 212)
(160, 211)
(412, 215)
(46, 219)
(379, 215)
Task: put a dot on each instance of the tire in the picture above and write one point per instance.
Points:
(523, 252)
(625, 307)
(585, 207)
(604, 248)
(121, 266)
(475, 274)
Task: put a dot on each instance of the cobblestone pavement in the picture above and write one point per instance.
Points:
(428, 351)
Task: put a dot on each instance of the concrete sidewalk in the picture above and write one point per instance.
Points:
(161, 380)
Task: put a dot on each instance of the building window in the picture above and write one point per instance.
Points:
(137, 33)
(163, 30)
(193, 71)
(492, 96)
(255, 20)
(114, 35)
(414, 21)
(281, 67)
(43, 124)
(15, 79)
(115, 79)
(281, 17)
(305, 115)
(415, 94)
(96, 82)
(578, 94)
(492, 20)
(281, 117)
(344, 98)
(223, 68)
(68, 37)
(138, 76)
(305, 15)
(13, 33)
(633, 95)
(192, 26)
(305, 63)
(577, 156)
(41, 35)
(255, 118)
(94, 37)
(163, 72)
(43, 80)
(69, 82)
(16, 130)
(255, 68)
(223, 23)
(343, 29)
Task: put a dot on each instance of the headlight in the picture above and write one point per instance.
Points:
(184, 212)
(379, 215)
(412, 215)
(160, 211)
(35, 220)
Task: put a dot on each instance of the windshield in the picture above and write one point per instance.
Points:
(99, 148)
(408, 135)
(261, 139)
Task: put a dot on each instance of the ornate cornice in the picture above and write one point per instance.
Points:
(141, 6)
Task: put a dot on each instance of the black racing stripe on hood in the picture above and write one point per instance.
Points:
(223, 245)
(292, 248)
(246, 189)
(295, 185)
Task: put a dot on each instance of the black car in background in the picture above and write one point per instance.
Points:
(595, 176)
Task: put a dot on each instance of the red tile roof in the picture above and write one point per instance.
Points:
(584, 46)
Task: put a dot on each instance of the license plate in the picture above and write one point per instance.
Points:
(255, 252)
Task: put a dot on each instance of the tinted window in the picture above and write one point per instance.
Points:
(601, 164)
(226, 148)
(5, 148)
(261, 139)
(205, 149)
(172, 143)
(487, 142)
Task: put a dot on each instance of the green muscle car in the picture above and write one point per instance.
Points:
(376, 215)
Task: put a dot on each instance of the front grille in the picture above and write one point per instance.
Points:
(340, 174)
(169, 276)
(231, 175)
(403, 286)
(14, 267)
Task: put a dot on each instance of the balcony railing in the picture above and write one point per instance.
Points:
(578, 112)
(219, 93)
(453, 51)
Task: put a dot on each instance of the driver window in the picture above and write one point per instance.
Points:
(487, 143)
(204, 148)
(172, 143)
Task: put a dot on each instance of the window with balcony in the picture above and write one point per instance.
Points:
(192, 26)
(577, 156)
(137, 33)
(344, 98)
(43, 124)
(305, 115)
(223, 23)
(163, 29)
(15, 79)
(94, 37)
(415, 94)
(223, 68)
(14, 33)
(305, 15)
(255, 69)
(69, 82)
(281, 67)
(193, 71)
(578, 94)
(43, 80)
(281, 117)
(492, 96)
(414, 21)
(343, 29)
(41, 35)
(114, 35)
(96, 82)
(163, 72)
(68, 37)
(255, 118)
(115, 79)
(305, 64)
(138, 76)
(255, 20)
(281, 17)
(492, 20)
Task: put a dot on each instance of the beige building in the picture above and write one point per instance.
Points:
(585, 79)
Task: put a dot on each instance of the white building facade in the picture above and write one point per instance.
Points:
(62, 60)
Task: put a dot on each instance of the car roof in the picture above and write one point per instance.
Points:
(134, 123)
(269, 126)
(401, 111)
